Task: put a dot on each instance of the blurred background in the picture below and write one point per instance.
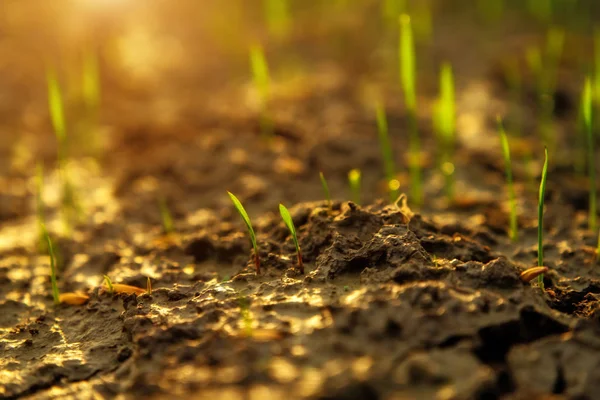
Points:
(163, 102)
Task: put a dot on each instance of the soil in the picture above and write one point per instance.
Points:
(396, 302)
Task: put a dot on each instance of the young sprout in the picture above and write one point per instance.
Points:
(587, 121)
(325, 190)
(240, 209)
(597, 66)
(386, 151)
(165, 216)
(260, 76)
(407, 80)
(148, 285)
(541, 218)
(109, 284)
(278, 18)
(354, 178)
(57, 117)
(513, 228)
(287, 219)
(55, 292)
(446, 121)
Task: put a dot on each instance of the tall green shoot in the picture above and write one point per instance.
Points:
(277, 14)
(109, 284)
(287, 219)
(386, 151)
(261, 79)
(325, 189)
(513, 228)
(446, 121)
(354, 180)
(165, 216)
(408, 82)
(57, 117)
(587, 120)
(53, 282)
(541, 218)
(242, 211)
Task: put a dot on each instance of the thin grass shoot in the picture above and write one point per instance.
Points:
(326, 190)
(262, 82)
(588, 123)
(109, 285)
(541, 196)
(53, 281)
(513, 232)
(446, 121)
(165, 216)
(242, 211)
(408, 82)
(287, 219)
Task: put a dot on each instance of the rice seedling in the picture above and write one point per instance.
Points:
(240, 209)
(325, 190)
(40, 207)
(386, 151)
(277, 14)
(587, 120)
(541, 218)
(261, 80)
(446, 122)
(53, 282)
(108, 284)
(70, 207)
(148, 286)
(407, 80)
(512, 198)
(165, 216)
(354, 180)
(597, 66)
(287, 219)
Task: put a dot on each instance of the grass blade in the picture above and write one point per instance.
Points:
(53, 282)
(109, 284)
(165, 216)
(325, 189)
(242, 211)
(542, 193)
(513, 228)
(447, 113)
(587, 120)
(287, 219)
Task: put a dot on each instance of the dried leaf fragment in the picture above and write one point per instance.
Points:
(120, 288)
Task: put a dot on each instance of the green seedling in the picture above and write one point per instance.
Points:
(354, 179)
(587, 121)
(386, 151)
(57, 117)
(597, 66)
(408, 82)
(261, 79)
(242, 211)
(55, 292)
(277, 14)
(513, 228)
(165, 216)
(287, 219)
(109, 284)
(446, 121)
(326, 190)
(541, 218)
